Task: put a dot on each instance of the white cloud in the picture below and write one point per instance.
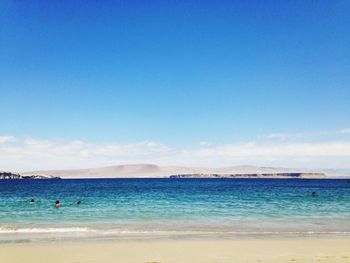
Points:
(5, 139)
(33, 154)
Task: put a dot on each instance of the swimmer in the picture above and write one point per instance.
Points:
(58, 204)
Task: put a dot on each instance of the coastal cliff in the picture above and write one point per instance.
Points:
(12, 176)
(253, 175)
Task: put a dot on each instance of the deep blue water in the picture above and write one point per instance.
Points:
(142, 206)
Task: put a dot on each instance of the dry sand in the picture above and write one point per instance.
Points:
(191, 251)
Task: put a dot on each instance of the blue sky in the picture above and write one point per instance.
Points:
(175, 72)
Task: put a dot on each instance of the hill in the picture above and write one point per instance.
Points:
(155, 171)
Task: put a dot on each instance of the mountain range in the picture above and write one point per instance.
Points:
(153, 170)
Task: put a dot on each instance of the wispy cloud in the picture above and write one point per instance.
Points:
(283, 135)
(205, 143)
(304, 135)
(345, 131)
(18, 154)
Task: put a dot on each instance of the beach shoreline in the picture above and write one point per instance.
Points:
(333, 249)
(142, 220)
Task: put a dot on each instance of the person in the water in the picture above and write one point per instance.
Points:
(78, 202)
(32, 201)
(58, 204)
(314, 194)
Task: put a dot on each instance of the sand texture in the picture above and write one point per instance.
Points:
(192, 251)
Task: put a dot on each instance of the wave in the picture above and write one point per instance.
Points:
(94, 231)
(10, 230)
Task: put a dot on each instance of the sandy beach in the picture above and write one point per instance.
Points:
(272, 250)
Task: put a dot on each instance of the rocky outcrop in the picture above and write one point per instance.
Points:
(34, 176)
(12, 176)
(8, 175)
(253, 175)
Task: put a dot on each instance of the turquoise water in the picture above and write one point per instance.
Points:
(175, 208)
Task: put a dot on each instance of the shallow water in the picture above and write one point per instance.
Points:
(172, 208)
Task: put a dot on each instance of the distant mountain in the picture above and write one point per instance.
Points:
(340, 173)
(254, 175)
(152, 170)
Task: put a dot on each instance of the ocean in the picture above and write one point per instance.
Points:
(142, 209)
